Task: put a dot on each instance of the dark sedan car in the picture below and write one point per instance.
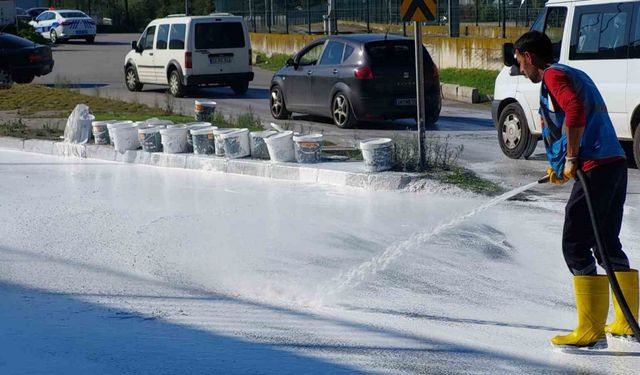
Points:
(35, 12)
(353, 78)
(22, 60)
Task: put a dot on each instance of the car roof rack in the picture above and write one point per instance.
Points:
(220, 14)
(176, 15)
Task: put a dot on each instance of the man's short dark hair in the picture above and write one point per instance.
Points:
(537, 43)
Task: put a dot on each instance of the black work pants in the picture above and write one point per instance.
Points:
(608, 187)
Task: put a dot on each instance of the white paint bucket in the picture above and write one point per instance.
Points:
(280, 147)
(218, 141)
(257, 144)
(124, 136)
(236, 143)
(174, 140)
(308, 148)
(115, 124)
(377, 154)
(101, 132)
(205, 109)
(203, 141)
(157, 122)
(191, 126)
(150, 138)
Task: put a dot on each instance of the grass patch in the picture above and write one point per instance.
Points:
(483, 80)
(440, 155)
(19, 130)
(273, 63)
(31, 99)
(468, 180)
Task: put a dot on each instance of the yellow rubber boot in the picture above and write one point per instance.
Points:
(592, 303)
(628, 281)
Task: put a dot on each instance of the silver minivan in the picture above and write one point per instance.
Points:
(184, 52)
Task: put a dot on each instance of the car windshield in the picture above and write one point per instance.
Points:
(12, 41)
(73, 15)
(390, 53)
(219, 35)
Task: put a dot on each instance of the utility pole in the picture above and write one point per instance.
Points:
(309, 15)
(504, 19)
(417, 30)
(186, 7)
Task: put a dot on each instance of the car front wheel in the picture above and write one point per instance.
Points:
(132, 80)
(5, 77)
(23, 78)
(516, 141)
(342, 112)
(240, 88)
(277, 104)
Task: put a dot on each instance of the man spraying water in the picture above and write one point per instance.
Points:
(578, 134)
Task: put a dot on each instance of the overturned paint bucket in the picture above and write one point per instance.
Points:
(203, 141)
(124, 136)
(174, 140)
(236, 143)
(101, 132)
(219, 142)
(377, 154)
(205, 109)
(308, 148)
(280, 147)
(257, 144)
(150, 138)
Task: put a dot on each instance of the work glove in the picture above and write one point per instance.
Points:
(570, 168)
(554, 179)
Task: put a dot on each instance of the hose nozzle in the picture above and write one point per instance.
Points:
(544, 179)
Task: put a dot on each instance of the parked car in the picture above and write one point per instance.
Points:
(186, 52)
(21, 60)
(35, 12)
(22, 15)
(65, 24)
(353, 78)
(600, 38)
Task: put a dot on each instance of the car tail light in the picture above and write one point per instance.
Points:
(250, 57)
(35, 56)
(364, 72)
(188, 61)
(64, 23)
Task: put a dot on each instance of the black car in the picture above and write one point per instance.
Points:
(353, 78)
(22, 60)
(22, 15)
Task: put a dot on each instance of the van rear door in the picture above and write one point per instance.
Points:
(220, 47)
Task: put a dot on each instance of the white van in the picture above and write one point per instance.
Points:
(599, 37)
(185, 52)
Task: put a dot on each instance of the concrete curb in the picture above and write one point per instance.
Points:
(350, 174)
(461, 93)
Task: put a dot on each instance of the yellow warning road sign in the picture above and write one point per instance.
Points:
(418, 10)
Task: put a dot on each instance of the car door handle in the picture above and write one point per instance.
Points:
(309, 72)
(335, 71)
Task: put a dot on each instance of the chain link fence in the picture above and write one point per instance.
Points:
(357, 16)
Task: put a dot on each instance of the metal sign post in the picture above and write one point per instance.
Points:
(419, 11)
(417, 27)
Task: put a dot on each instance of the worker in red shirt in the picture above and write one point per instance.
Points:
(578, 133)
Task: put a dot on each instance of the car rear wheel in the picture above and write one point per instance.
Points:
(277, 104)
(240, 88)
(516, 141)
(91, 39)
(176, 88)
(342, 112)
(131, 79)
(23, 78)
(53, 37)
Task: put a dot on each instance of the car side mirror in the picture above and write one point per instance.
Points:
(508, 55)
(136, 47)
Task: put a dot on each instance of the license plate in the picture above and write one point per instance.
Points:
(409, 101)
(220, 60)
